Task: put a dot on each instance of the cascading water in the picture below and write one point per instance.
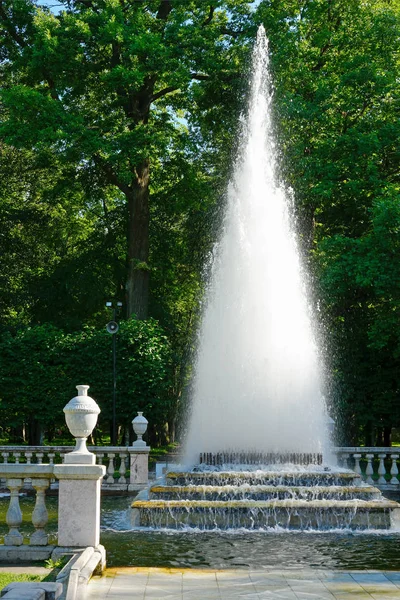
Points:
(258, 378)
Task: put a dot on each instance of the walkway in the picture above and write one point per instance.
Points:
(191, 584)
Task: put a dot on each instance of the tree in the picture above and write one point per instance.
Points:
(41, 365)
(335, 67)
(101, 83)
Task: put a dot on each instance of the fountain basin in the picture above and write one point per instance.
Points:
(261, 500)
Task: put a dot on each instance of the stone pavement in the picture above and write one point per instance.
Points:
(253, 584)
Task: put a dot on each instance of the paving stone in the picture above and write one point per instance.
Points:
(363, 595)
(385, 596)
(181, 584)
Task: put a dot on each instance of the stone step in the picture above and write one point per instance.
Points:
(238, 478)
(260, 458)
(262, 492)
(250, 514)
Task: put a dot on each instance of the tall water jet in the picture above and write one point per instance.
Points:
(258, 379)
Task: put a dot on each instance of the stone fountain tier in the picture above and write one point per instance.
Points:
(259, 499)
(251, 514)
(260, 458)
(264, 477)
(262, 492)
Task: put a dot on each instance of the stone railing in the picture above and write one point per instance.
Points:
(78, 520)
(377, 466)
(15, 477)
(126, 467)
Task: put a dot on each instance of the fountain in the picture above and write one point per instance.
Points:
(258, 378)
(258, 419)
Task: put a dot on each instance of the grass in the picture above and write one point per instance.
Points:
(6, 578)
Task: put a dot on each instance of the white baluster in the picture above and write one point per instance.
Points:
(16, 455)
(5, 461)
(344, 459)
(357, 468)
(381, 469)
(14, 514)
(122, 468)
(99, 457)
(28, 480)
(51, 456)
(39, 456)
(394, 470)
(369, 470)
(40, 515)
(111, 469)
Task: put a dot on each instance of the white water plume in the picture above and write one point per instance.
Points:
(258, 378)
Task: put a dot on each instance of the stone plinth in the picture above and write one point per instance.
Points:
(24, 553)
(32, 590)
(139, 466)
(79, 504)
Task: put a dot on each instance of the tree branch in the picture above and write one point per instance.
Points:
(116, 54)
(234, 34)
(52, 87)
(111, 175)
(199, 76)
(210, 16)
(164, 9)
(320, 62)
(163, 92)
(87, 3)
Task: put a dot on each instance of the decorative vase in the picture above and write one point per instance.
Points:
(139, 425)
(81, 416)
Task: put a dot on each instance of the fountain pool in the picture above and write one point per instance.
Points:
(241, 548)
(229, 549)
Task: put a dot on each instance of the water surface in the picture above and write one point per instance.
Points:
(223, 550)
(126, 547)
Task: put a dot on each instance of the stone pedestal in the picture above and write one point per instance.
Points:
(139, 466)
(79, 504)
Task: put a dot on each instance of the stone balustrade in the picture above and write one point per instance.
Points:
(78, 509)
(377, 466)
(15, 477)
(116, 459)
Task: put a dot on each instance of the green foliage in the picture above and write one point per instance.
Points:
(90, 96)
(40, 366)
(56, 564)
(360, 278)
(336, 105)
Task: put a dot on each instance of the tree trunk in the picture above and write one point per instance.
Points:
(368, 433)
(387, 437)
(35, 432)
(137, 284)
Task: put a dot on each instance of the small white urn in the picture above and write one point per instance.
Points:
(139, 425)
(81, 416)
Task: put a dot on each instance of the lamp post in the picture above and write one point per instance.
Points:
(112, 328)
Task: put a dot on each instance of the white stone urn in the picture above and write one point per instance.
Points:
(139, 425)
(81, 416)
